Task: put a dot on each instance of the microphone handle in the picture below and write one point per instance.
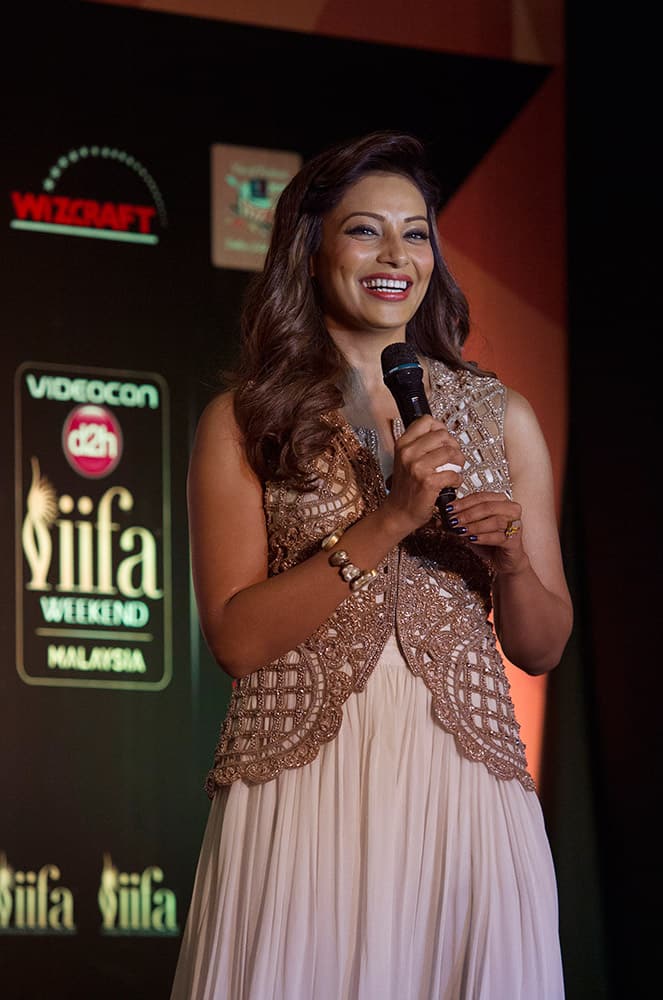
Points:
(410, 406)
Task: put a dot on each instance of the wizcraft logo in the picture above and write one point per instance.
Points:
(67, 205)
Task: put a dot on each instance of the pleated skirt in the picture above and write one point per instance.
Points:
(389, 868)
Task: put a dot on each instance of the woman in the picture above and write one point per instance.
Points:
(374, 831)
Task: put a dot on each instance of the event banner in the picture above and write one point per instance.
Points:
(139, 181)
(93, 595)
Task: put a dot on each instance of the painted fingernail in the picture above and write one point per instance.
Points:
(449, 507)
(472, 538)
(452, 522)
(459, 531)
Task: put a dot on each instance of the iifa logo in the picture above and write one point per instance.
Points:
(134, 902)
(31, 902)
(87, 559)
(127, 220)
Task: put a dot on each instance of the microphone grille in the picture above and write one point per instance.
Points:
(395, 355)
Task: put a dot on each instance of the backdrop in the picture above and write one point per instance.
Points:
(142, 154)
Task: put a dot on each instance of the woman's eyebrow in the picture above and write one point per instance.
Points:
(380, 218)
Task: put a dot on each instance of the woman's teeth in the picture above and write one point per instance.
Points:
(386, 284)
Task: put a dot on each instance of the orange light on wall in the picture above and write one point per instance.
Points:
(503, 237)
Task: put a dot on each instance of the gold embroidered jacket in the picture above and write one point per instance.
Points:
(433, 591)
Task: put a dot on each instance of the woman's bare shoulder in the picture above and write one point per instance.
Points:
(218, 415)
(524, 439)
(218, 446)
(518, 407)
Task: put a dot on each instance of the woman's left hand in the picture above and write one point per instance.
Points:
(492, 524)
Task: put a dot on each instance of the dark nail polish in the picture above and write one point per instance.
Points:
(452, 522)
(459, 531)
(449, 507)
(472, 538)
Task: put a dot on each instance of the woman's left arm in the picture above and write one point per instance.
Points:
(533, 613)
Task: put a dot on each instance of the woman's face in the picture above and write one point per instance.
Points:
(375, 258)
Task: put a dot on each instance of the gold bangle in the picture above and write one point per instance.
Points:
(357, 578)
(339, 558)
(362, 581)
(330, 541)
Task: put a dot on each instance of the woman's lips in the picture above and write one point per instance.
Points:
(387, 287)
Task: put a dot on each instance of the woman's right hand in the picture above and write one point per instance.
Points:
(249, 618)
(415, 484)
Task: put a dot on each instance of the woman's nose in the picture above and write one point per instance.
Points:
(393, 252)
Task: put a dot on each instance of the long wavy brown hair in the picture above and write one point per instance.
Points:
(290, 372)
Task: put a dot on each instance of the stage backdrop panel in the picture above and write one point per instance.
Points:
(138, 181)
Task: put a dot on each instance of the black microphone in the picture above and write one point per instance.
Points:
(404, 377)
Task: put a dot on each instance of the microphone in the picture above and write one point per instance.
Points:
(404, 377)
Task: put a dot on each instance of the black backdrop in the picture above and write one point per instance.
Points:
(89, 772)
(603, 728)
(123, 772)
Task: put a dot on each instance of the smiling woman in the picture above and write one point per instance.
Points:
(375, 259)
(374, 829)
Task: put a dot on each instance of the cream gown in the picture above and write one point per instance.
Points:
(389, 868)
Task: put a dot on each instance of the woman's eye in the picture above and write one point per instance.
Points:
(365, 229)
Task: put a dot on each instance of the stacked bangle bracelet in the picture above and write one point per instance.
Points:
(357, 579)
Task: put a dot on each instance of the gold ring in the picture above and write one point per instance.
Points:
(511, 529)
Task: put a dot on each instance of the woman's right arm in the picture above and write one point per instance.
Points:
(247, 618)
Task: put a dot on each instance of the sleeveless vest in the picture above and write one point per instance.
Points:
(433, 590)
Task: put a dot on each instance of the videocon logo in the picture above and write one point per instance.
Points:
(98, 192)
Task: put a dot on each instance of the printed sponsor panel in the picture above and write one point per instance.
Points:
(92, 483)
(246, 184)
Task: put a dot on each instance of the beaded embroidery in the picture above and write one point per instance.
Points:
(433, 590)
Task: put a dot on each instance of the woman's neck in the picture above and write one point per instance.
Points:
(367, 400)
